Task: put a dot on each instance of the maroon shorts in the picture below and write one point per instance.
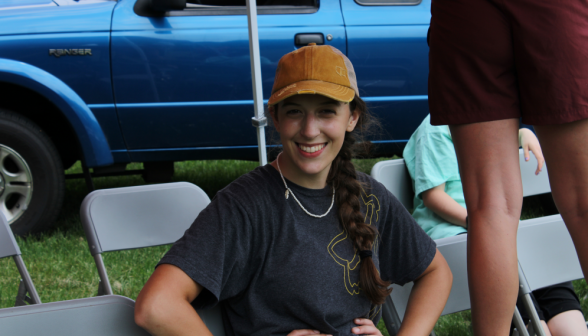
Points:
(501, 59)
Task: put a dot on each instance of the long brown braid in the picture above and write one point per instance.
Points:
(344, 177)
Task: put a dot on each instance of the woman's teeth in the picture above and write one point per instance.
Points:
(312, 149)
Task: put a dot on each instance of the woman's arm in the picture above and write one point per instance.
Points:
(163, 306)
(444, 206)
(427, 299)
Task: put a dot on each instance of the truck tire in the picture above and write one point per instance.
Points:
(32, 182)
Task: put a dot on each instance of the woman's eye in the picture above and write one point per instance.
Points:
(293, 112)
(327, 111)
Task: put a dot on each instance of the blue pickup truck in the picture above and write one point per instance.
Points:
(111, 82)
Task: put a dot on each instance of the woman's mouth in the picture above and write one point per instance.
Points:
(311, 150)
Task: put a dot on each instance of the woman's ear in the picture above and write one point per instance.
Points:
(272, 112)
(353, 119)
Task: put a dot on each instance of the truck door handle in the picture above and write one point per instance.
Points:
(302, 40)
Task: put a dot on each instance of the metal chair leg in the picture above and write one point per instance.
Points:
(21, 296)
(521, 329)
(390, 316)
(25, 286)
(88, 177)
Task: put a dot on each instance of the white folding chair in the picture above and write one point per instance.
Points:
(143, 216)
(546, 255)
(395, 177)
(9, 248)
(109, 315)
(137, 217)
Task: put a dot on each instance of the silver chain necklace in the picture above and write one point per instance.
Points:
(289, 191)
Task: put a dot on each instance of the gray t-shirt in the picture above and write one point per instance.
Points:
(276, 269)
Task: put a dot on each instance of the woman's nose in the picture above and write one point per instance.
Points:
(310, 126)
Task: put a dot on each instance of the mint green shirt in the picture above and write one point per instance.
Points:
(431, 161)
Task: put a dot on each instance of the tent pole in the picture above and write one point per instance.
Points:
(259, 120)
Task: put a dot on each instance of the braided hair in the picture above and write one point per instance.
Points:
(344, 177)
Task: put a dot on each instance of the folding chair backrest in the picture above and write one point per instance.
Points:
(546, 253)
(110, 315)
(142, 216)
(395, 177)
(136, 217)
(98, 316)
(533, 184)
(9, 248)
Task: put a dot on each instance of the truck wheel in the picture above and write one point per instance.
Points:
(31, 175)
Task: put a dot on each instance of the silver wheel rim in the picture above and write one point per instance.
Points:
(16, 184)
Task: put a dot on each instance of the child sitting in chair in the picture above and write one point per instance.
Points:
(440, 209)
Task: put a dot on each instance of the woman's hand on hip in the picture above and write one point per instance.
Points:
(365, 327)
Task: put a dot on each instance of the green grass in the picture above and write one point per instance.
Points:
(62, 268)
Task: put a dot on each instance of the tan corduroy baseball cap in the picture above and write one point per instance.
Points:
(315, 69)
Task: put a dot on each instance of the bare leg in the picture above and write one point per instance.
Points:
(566, 155)
(489, 166)
(567, 323)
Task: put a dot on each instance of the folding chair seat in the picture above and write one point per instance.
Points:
(142, 216)
(9, 248)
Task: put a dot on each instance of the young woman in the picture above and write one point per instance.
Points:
(305, 245)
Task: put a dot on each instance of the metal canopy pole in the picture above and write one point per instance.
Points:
(259, 121)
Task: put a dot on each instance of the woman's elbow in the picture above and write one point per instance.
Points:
(150, 311)
(444, 273)
(439, 273)
(144, 313)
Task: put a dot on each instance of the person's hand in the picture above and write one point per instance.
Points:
(529, 142)
(306, 332)
(365, 327)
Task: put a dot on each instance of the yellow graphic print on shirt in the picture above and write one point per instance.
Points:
(372, 214)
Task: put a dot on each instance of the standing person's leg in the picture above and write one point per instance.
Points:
(553, 78)
(489, 167)
(473, 87)
(566, 156)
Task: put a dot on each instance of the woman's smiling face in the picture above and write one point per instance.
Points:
(312, 128)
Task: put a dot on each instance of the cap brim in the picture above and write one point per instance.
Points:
(333, 91)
